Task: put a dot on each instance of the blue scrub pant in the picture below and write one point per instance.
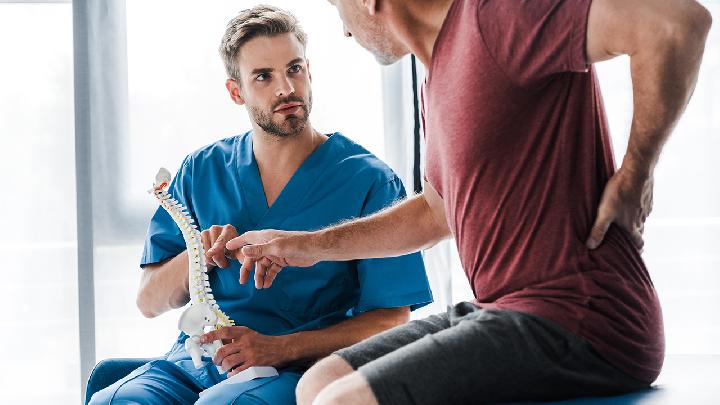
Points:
(175, 380)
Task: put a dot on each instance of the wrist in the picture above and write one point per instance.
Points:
(288, 347)
(322, 242)
(637, 168)
(638, 163)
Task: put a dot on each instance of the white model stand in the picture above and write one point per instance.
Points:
(203, 310)
(248, 374)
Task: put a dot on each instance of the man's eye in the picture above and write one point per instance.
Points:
(262, 77)
(295, 69)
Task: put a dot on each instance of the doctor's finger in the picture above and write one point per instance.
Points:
(224, 333)
(227, 233)
(217, 255)
(218, 258)
(205, 239)
(232, 361)
(219, 237)
(239, 368)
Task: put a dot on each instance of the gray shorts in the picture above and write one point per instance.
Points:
(471, 356)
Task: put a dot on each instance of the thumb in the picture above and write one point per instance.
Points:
(209, 337)
(597, 234)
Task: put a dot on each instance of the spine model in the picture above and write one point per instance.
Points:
(203, 310)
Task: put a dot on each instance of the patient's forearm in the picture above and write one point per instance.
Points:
(164, 286)
(309, 346)
(406, 227)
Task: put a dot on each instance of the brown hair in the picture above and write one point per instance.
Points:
(261, 20)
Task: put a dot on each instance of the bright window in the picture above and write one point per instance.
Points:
(39, 300)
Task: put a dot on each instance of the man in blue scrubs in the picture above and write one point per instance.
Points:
(281, 175)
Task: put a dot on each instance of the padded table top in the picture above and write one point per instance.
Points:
(684, 380)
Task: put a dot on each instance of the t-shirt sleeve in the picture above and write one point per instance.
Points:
(393, 281)
(164, 239)
(531, 40)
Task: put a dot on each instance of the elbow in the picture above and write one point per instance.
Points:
(688, 26)
(143, 303)
(143, 300)
(436, 230)
(698, 20)
(704, 19)
(150, 305)
(438, 236)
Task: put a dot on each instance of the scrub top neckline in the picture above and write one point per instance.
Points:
(291, 196)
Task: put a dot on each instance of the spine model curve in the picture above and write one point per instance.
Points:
(199, 284)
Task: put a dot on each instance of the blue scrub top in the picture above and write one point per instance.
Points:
(220, 184)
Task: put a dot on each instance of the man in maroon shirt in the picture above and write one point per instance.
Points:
(520, 172)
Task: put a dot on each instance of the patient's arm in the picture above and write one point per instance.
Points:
(164, 286)
(665, 40)
(413, 224)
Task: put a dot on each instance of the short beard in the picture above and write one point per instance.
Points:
(292, 124)
(380, 46)
(384, 59)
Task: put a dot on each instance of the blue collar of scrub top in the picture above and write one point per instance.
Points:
(292, 196)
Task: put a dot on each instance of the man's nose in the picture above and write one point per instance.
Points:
(346, 31)
(285, 88)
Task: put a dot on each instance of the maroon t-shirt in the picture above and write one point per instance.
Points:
(518, 147)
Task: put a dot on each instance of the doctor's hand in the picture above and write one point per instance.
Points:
(269, 251)
(214, 240)
(247, 348)
(626, 201)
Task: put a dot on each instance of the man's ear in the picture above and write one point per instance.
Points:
(370, 5)
(234, 89)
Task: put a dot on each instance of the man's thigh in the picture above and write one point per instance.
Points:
(157, 382)
(493, 356)
(278, 390)
(390, 340)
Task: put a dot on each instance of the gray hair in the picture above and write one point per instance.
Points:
(261, 20)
